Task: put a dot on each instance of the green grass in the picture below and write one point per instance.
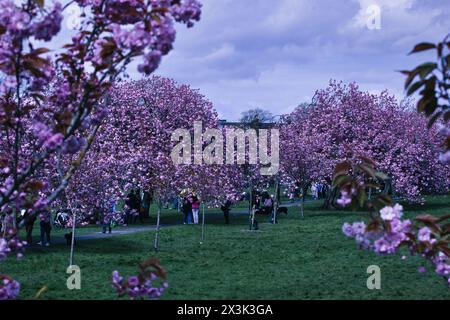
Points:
(296, 259)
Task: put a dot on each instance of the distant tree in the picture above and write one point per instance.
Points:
(256, 116)
(344, 123)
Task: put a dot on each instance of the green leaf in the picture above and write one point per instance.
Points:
(425, 69)
(367, 169)
(414, 87)
(381, 175)
(433, 119)
(341, 169)
(447, 116)
(368, 161)
(422, 47)
(39, 51)
(410, 77)
(362, 197)
(341, 180)
(385, 199)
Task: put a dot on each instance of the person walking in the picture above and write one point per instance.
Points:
(226, 208)
(46, 227)
(195, 208)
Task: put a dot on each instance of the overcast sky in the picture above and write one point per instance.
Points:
(274, 54)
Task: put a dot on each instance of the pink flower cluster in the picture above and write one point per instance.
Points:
(445, 132)
(138, 287)
(9, 288)
(345, 199)
(395, 233)
(9, 243)
(45, 136)
(116, 217)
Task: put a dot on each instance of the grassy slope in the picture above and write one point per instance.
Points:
(296, 259)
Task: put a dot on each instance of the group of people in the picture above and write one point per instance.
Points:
(319, 190)
(137, 205)
(262, 201)
(190, 207)
(29, 220)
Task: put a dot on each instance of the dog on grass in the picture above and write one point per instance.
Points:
(280, 210)
(68, 237)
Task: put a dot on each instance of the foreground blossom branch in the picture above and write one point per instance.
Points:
(387, 232)
(144, 285)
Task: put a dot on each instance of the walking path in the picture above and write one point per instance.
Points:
(131, 230)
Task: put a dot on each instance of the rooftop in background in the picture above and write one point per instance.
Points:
(245, 125)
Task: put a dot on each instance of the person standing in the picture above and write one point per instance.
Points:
(187, 211)
(314, 191)
(107, 216)
(226, 208)
(195, 208)
(268, 205)
(46, 227)
(189, 207)
(133, 205)
(29, 218)
(107, 219)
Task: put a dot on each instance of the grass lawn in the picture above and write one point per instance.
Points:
(297, 259)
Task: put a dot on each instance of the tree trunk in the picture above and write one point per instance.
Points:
(156, 243)
(330, 198)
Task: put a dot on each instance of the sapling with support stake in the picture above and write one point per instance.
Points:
(203, 223)
(158, 216)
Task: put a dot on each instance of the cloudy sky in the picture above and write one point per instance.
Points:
(274, 54)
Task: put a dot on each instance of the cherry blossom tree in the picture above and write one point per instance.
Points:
(344, 123)
(68, 88)
(387, 231)
(134, 146)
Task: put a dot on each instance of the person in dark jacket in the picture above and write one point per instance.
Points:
(30, 218)
(226, 208)
(187, 211)
(46, 227)
(133, 204)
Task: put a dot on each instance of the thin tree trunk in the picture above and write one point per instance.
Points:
(331, 196)
(203, 223)
(302, 204)
(250, 201)
(156, 244)
(252, 219)
(275, 207)
(72, 243)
